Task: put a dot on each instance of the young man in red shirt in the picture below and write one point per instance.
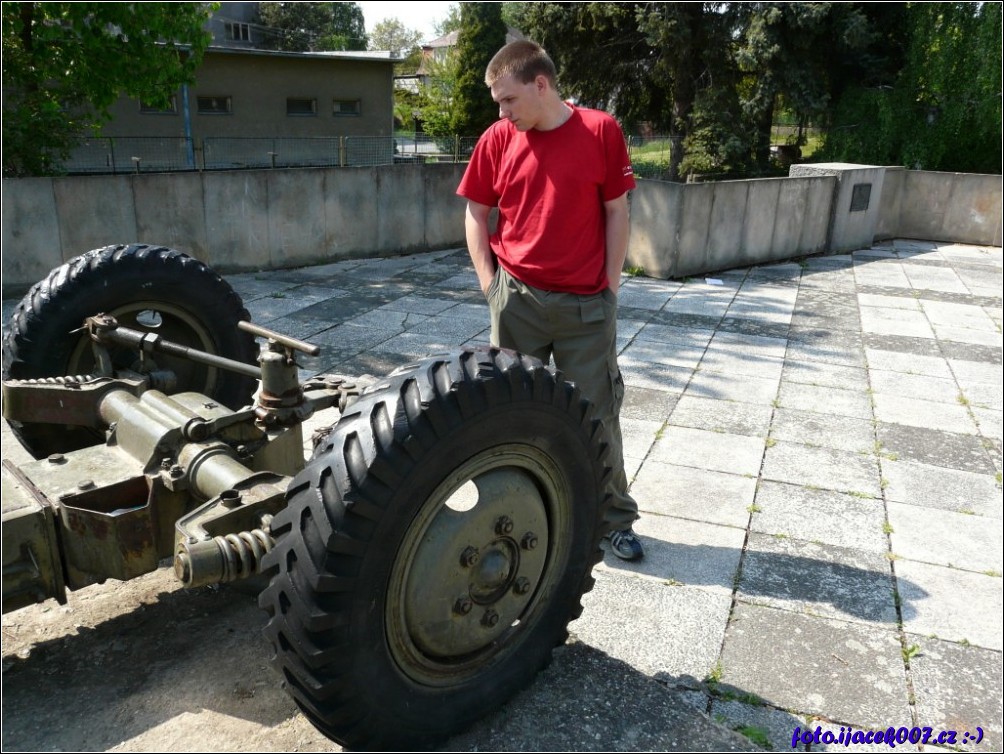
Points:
(559, 175)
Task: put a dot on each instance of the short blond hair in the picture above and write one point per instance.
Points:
(523, 60)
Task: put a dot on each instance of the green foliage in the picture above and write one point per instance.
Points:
(65, 64)
(482, 34)
(390, 34)
(313, 27)
(941, 110)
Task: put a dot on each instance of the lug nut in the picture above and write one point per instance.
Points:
(490, 618)
(522, 585)
(503, 525)
(463, 605)
(469, 556)
(529, 541)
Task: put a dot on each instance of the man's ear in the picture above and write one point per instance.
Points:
(542, 83)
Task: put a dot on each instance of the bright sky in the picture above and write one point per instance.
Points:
(417, 14)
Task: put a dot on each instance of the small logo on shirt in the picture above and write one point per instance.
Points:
(628, 170)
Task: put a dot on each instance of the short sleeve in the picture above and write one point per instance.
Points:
(619, 173)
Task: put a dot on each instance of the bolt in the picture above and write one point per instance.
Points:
(522, 585)
(85, 484)
(469, 556)
(503, 525)
(529, 541)
(176, 471)
(490, 618)
(463, 605)
(165, 463)
(56, 458)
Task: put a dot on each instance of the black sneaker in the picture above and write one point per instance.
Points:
(626, 545)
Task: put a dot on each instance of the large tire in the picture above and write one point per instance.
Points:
(381, 623)
(148, 288)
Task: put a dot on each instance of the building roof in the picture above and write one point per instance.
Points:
(374, 56)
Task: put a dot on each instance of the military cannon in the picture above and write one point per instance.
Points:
(416, 571)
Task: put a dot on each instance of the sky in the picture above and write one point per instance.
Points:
(417, 14)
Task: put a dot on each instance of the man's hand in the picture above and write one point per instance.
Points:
(476, 227)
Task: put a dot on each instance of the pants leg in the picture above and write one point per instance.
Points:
(581, 332)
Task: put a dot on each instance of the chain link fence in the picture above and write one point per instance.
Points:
(140, 154)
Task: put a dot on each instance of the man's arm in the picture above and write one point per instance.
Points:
(476, 227)
(618, 228)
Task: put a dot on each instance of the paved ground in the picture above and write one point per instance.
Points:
(816, 450)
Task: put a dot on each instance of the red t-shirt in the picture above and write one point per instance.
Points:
(550, 187)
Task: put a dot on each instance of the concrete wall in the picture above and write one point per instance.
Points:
(961, 207)
(263, 219)
(232, 220)
(686, 229)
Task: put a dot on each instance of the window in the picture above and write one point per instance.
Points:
(346, 107)
(238, 32)
(170, 109)
(301, 106)
(214, 105)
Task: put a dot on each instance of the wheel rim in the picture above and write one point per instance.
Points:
(477, 564)
(171, 323)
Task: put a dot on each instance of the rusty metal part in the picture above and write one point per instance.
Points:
(104, 329)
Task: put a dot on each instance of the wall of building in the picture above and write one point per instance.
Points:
(258, 84)
(265, 219)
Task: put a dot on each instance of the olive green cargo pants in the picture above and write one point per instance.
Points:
(581, 333)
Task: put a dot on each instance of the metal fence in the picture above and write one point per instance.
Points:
(151, 154)
(134, 154)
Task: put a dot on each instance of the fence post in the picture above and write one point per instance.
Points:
(111, 151)
(456, 148)
(341, 151)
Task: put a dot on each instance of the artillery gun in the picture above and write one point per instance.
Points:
(416, 570)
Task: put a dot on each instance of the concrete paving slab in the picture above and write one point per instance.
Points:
(652, 352)
(807, 665)
(950, 603)
(765, 727)
(679, 552)
(674, 336)
(822, 516)
(923, 387)
(715, 451)
(967, 335)
(958, 688)
(694, 493)
(895, 322)
(646, 404)
(621, 710)
(966, 371)
(825, 468)
(722, 416)
(946, 538)
(742, 365)
(948, 489)
(914, 412)
(823, 430)
(901, 301)
(988, 421)
(822, 374)
(653, 376)
(816, 579)
(733, 387)
(893, 361)
(682, 626)
(638, 435)
(934, 447)
(825, 400)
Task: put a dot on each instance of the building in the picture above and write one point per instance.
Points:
(250, 107)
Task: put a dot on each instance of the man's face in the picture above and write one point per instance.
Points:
(521, 104)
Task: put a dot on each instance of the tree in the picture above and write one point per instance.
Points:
(65, 64)
(482, 34)
(312, 27)
(390, 34)
(939, 105)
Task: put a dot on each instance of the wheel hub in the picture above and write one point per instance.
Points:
(474, 570)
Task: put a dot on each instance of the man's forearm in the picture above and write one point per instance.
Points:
(476, 227)
(618, 227)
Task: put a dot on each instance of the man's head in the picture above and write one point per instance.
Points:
(521, 77)
(523, 60)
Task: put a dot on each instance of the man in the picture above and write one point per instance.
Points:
(559, 175)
